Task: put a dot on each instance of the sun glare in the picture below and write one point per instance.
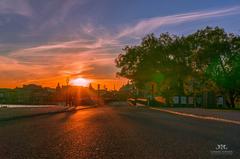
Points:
(80, 82)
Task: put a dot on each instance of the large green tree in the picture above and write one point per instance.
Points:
(160, 60)
(207, 59)
(215, 57)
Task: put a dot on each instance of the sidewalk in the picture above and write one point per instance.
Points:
(22, 112)
(230, 116)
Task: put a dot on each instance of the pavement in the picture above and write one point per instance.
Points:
(230, 116)
(118, 131)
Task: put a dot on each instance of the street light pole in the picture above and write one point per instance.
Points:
(152, 90)
(98, 92)
(152, 95)
(67, 96)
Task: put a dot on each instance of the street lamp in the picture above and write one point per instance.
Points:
(67, 95)
(98, 92)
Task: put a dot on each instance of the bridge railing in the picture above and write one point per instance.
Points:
(138, 101)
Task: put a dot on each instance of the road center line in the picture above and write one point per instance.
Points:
(198, 116)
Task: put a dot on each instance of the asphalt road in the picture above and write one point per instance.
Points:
(117, 132)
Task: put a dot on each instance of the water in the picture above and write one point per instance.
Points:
(26, 106)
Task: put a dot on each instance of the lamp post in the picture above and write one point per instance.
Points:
(152, 95)
(67, 95)
(152, 90)
(98, 92)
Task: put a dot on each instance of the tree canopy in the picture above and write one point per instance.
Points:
(208, 59)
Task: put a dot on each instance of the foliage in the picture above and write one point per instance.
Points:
(206, 60)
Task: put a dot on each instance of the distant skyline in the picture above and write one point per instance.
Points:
(44, 42)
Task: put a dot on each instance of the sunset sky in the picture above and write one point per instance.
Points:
(46, 41)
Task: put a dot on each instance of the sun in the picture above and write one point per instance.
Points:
(80, 82)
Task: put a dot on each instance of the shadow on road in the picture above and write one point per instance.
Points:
(68, 112)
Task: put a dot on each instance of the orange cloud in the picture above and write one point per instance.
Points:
(52, 63)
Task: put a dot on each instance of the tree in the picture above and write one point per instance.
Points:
(224, 71)
(160, 60)
(215, 56)
(205, 60)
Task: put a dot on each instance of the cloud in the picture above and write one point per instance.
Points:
(13, 72)
(92, 59)
(62, 11)
(87, 51)
(90, 51)
(149, 25)
(20, 7)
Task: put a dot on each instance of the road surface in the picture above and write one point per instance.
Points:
(117, 131)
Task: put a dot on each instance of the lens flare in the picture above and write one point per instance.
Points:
(80, 82)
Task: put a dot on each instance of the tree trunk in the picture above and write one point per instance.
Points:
(231, 99)
(228, 103)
